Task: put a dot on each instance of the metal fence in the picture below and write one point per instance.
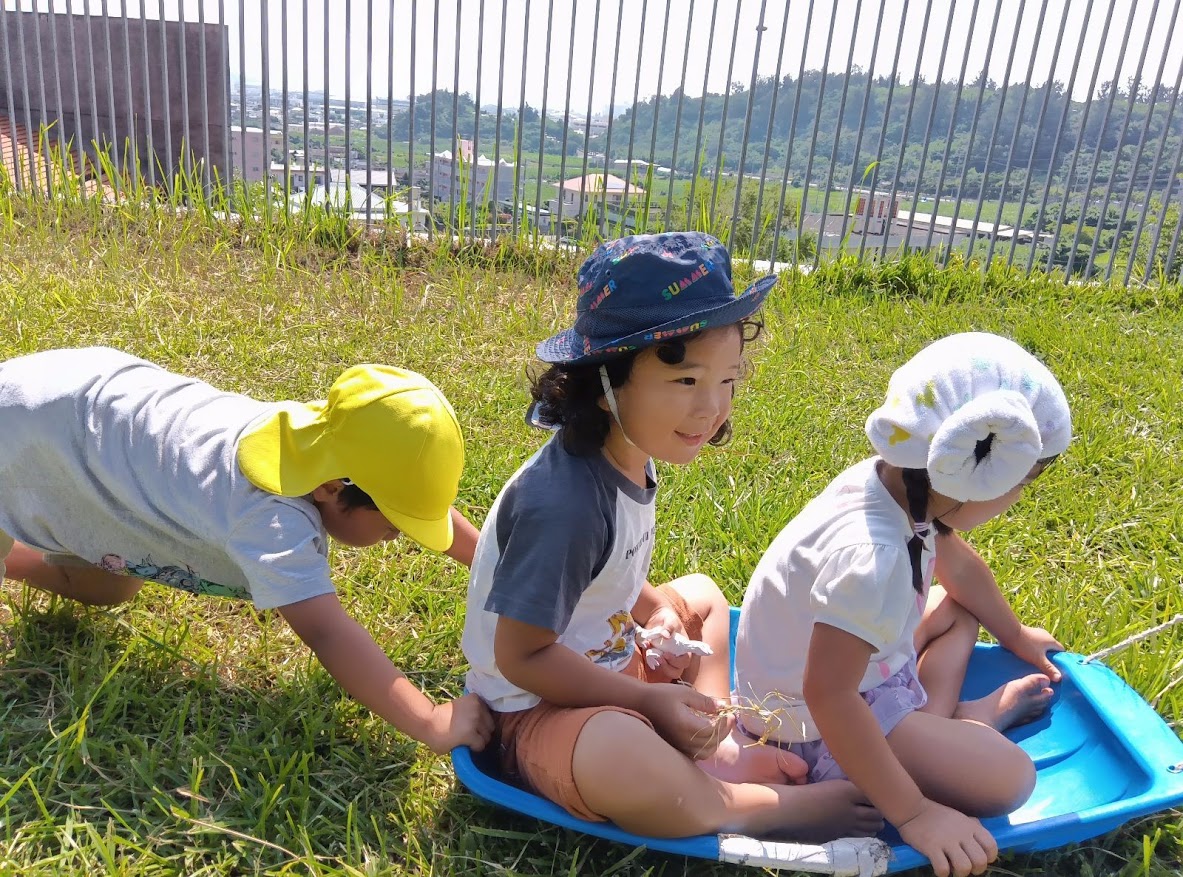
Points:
(1042, 133)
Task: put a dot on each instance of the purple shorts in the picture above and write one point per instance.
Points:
(890, 702)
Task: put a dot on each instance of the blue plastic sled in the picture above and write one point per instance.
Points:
(1103, 756)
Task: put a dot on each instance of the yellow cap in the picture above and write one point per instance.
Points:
(388, 430)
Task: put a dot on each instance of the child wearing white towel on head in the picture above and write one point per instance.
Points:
(856, 662)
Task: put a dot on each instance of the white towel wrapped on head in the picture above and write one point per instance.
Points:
(975, 410)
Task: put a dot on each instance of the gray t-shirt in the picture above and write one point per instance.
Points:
(566, 547)
(122, 464)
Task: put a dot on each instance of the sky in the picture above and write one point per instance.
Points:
(702, 40)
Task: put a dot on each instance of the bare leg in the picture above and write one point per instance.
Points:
(944, 641)
(710, 674)
(86, 584)
(627, 773)
(964, 765)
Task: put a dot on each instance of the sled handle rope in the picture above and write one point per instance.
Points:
(1130, 640)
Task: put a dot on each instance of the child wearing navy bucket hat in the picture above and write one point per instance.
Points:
(606, 690)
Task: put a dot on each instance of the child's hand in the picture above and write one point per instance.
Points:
(687, 719)
(670, 666)
(957, 845)
(465, 721)
(1032, 645)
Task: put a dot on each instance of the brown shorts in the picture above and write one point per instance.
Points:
(537, 745)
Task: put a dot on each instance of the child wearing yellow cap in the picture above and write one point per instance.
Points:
(114, 471)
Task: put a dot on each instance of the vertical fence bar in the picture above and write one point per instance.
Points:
(669, 198)
(608, 134)
(62, 150)
(369, 111)
(1155, 165)
(747, 126)
(132, 128)
(757, 221)
(699, 158)
(723, 119)
(784, 182)
(519, 172)
(985, 184)
(567, 120)
(187, 142)
(17, 174)
(913, 91)
(1088, 105)
(1135, 85)
(629, 176)
(224, 38)
(1142, 136)
(411, 116)
(305, 101)
(591, 84)
(969, 146)
(150, 126)
(652, 178)
(1014, 141)
(94, 97)
(41, 126)
(858, 139)
(927, 139)
(823, 76)
(1092, 177)
(1047, 186)
(27, 86)
(205, 142)
(453, 177)
(858, 9)
(476, 129)
(550, 9)
(283, 118)
(435, 34)
(348, 199)
(167, 171)
(242, 157)
(390, 178)
(330, 187)
(78, 135)
(265, 95)
(1043, 104)
(936, 196)
(497, 133)
(889, 224)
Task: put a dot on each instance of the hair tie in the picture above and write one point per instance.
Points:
(921, 528)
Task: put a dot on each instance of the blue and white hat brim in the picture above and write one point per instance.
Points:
(571, 348)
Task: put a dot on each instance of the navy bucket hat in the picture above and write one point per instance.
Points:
(640, 290)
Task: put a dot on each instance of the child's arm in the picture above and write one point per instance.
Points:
(653, 610)
(834, 667)
(464, 537)
(970, 582)
(531, 658)
(352, 657)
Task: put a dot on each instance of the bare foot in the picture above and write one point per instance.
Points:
(1013, 703)
(827, 810)
(741, 760)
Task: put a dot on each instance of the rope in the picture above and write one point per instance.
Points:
(1130, 640)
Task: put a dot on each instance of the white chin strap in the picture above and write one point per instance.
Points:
(611, 398)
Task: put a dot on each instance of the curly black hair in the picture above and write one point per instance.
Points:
(568, 396)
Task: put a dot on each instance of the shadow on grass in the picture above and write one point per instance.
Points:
(106, 728)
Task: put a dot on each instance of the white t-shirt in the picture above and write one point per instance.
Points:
(118, 462)
(843, 561)
(566, 547)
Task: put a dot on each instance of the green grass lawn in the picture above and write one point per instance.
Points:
(177, 735)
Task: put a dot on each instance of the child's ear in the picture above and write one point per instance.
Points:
(329, 490)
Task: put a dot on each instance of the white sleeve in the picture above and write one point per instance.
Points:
(283, 554)
(865, 590)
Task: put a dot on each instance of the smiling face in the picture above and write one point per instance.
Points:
(671, 410)
(358, 526)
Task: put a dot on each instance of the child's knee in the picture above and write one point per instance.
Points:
(1012, 784)
(701, 594)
